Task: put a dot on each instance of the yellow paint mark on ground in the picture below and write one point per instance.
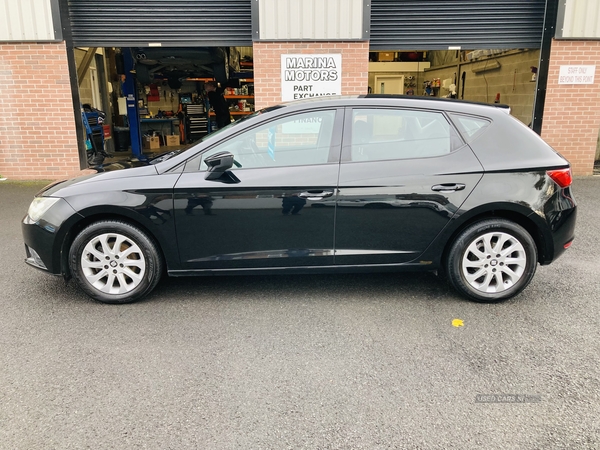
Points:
(458, 323)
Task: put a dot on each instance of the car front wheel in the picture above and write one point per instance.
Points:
(115, 262)
(492, 260)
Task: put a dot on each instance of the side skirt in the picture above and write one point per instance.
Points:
(370, 268)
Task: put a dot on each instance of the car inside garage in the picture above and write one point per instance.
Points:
(168, 84)
(142, 71)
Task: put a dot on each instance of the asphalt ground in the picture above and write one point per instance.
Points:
(288, 362)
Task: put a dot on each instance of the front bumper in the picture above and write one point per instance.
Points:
(34, 259)
(44, 240)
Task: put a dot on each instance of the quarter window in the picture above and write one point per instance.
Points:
(382, 134)
(470, 126)
(302, 139)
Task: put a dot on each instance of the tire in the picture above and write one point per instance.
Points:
(142, 73)
(491, 261)
(136, 266)
(174, 82)
(220, 72)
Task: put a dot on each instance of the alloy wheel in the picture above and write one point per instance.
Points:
(113, 263)
(494, 262)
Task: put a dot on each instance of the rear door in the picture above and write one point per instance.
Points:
(404, 174)
(264, 215)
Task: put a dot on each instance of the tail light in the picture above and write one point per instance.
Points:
(562, 177)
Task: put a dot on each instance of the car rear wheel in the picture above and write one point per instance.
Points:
(492, 260)
(115, 262)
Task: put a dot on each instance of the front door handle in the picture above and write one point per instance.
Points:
(315, 195)
(448, 187)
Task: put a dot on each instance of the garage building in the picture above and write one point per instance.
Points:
(128, 78)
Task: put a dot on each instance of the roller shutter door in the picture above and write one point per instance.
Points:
(172, 23)
(470, 24)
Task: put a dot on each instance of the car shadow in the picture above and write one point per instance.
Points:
(291, 288)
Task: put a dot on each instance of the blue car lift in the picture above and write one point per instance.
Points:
(130, 92)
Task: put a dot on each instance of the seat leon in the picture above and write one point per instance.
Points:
(368, 183)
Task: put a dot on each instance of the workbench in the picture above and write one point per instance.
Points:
(158, 124)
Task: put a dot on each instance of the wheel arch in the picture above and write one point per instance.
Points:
(99, 216)
(520, 217)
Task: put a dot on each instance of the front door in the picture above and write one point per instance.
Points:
(269, 217)
(404, 174)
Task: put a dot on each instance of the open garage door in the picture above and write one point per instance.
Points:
(173, 23)
(157, 53)
(470, 24)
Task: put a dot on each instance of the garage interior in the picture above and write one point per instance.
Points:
(172, 108)
(504, 76)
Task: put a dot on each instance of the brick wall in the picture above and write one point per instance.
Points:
(37, 129)
(267, 66)
(572, 112)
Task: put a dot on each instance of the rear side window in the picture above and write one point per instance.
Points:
(384, 134)
(471, 127)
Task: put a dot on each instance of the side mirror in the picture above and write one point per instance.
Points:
(218, 164)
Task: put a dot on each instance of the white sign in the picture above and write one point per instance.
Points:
(305, 76)
(576, 74)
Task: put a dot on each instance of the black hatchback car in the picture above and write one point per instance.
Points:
(371, 183)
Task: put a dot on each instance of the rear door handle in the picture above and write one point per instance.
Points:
(315, 195)
(448, 187)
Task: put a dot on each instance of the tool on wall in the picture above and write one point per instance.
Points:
(533, 73)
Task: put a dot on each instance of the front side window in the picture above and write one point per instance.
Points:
(383, 134)
(301, 139)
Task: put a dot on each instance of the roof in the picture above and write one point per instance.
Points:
(408, 100)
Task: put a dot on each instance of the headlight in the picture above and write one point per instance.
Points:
(39, 206)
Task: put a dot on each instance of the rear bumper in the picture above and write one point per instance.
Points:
(563, 236)
(561, 215)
